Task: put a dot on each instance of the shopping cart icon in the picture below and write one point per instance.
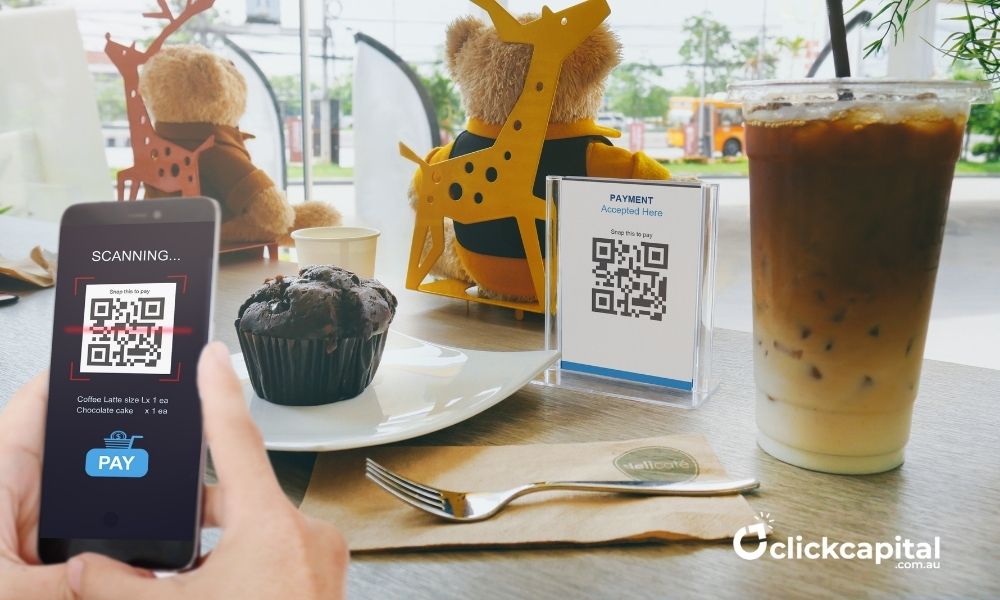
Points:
(120, 440)
(117, 458)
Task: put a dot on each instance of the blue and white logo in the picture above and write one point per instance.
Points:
(118, 458)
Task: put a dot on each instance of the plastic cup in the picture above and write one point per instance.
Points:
(849, 188)
(351, 248)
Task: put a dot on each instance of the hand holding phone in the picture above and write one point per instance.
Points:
(268, 549)
(124, 453)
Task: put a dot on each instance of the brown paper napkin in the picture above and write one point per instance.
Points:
(371, 519)
(38, 269)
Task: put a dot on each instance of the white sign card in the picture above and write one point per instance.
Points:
(633, 260)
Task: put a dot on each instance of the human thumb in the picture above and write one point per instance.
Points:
(102, 578)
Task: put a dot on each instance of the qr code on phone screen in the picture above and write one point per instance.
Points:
(630, 280)
(128, 328)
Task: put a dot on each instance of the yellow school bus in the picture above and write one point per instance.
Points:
(725, 125)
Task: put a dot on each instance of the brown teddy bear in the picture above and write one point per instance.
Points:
(490, 74)
(192, 94)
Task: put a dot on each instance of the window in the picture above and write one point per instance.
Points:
(730, 117)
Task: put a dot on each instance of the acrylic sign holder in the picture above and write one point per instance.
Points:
(635, 288)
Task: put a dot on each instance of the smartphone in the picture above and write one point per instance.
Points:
(124, 452)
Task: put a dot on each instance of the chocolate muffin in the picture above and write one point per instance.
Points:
(316, 338)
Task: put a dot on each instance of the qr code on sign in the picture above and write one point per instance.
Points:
(128, 328)
(630, 280)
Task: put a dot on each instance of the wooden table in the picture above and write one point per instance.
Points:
(949, 486)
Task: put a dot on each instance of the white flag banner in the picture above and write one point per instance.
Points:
(390, 105)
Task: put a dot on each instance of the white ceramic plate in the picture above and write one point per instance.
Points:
(419, 388)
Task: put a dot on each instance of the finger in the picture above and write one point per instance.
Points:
(99, 577)
(22, 581)
(235, 442)
(212, 513)
(333, 542)
(23, 422)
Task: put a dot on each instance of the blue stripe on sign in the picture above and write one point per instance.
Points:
(687, 386)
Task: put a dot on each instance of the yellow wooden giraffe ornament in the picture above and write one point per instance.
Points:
(465, 188)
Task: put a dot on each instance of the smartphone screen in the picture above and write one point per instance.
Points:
(123, 458)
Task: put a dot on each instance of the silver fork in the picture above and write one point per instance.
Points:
(477, 506)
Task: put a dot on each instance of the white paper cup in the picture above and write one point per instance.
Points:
(351, 248)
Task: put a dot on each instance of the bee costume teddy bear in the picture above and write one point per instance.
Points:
(491, 75)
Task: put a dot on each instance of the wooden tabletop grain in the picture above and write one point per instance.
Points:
(948, 487)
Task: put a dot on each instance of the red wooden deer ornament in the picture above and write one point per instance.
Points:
(156, 161)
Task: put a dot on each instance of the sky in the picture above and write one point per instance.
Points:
(650, 30)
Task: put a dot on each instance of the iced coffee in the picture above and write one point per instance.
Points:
(849, 188)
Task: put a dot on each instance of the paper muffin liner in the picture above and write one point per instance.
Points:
(302, 372)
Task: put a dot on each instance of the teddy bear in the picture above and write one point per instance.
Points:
(192, 94)
(490, 75)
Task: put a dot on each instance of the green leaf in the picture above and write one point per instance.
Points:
(978, 42)
(854, 6)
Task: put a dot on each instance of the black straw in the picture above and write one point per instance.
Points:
(838, 38)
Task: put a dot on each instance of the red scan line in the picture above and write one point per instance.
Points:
(79, 330)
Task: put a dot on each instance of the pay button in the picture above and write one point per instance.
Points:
(118, 458)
